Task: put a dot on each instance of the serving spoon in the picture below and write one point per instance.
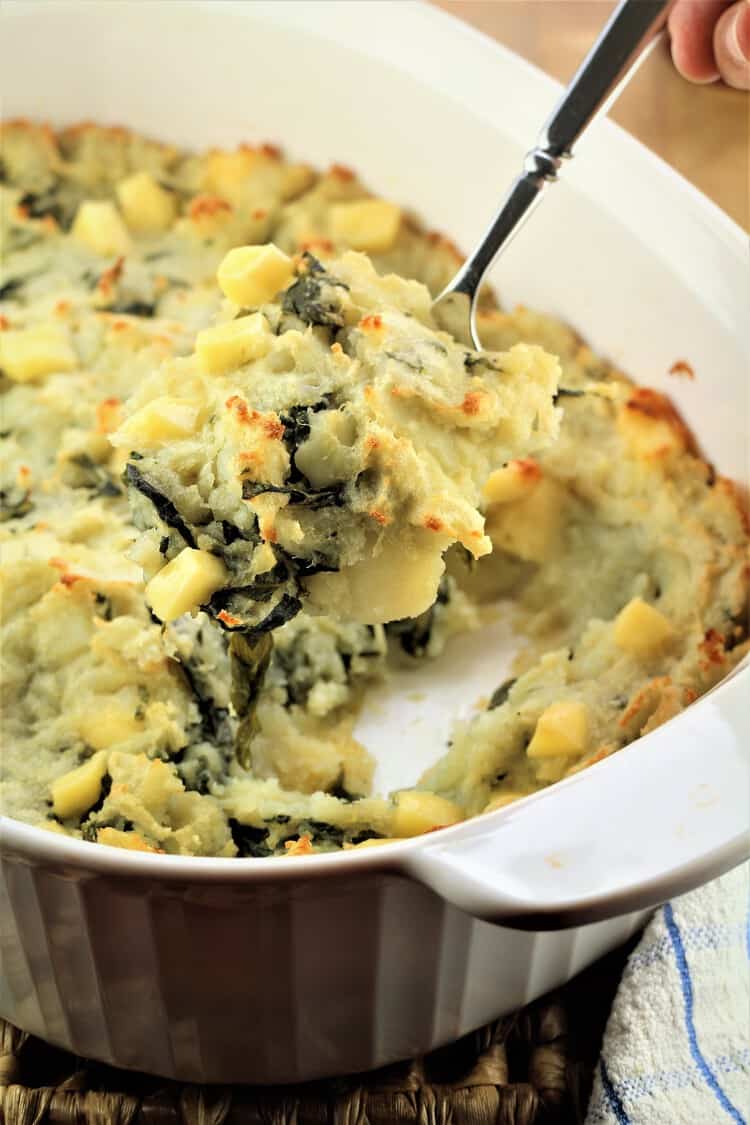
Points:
(632, 30)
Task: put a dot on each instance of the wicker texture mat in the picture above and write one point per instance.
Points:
(532, 1068)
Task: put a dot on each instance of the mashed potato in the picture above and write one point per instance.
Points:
(326, 445)
(625, 556)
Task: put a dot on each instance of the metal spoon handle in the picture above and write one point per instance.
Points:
(633, 26)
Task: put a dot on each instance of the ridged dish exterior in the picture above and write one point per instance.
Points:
(263, 984)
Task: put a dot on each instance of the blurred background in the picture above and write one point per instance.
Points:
(702, 131)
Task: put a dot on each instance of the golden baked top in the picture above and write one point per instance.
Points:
(325, 443)
(624, 555)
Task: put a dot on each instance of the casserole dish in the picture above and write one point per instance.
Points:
(251, 970)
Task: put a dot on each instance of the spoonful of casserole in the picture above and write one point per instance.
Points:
(327, 442)
(324, 444)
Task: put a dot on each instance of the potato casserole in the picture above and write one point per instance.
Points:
(245, 476)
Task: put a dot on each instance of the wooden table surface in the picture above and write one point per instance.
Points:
(702, 131)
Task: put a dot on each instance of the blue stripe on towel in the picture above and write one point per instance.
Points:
(613, 1098)
(708, 935)
(632, 1088)
(687, 995)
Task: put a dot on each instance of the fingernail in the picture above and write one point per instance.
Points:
(738, 34)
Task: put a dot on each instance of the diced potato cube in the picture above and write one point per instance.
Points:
(98, 224)
(552, 769)
(118, 460)
(146, 205)
(561, 729)
(76, 791)
(160, 421)
(501, 800)
(371, 225)
(530, 527)
(226, 172)
(30, 353)
(512, 482)
(399, 582)
(109, 725)
(185, 583)
(155, 784)
(642, 630)
(232, 344)
(264, 559)
(417, 812)
(252, 275)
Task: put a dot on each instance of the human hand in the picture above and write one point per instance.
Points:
(711, 40)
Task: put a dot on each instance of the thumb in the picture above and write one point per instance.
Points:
(732, 45)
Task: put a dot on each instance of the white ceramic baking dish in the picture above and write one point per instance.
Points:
(281, 970)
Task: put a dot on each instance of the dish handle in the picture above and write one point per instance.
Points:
(655, 820)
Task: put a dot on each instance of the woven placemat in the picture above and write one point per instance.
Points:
(532, 1068)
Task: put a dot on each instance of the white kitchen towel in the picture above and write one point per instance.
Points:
(676, 1050)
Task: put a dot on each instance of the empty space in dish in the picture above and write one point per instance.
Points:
(406, 722)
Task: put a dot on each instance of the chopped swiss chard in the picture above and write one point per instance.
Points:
(249, 660)
(249, 841)
(500, 695)
(11, 287)
(42, 206)
(134, 308)
(333, 497)
(313, 296)
(413, 633)
(14, 504)
(165, 508)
